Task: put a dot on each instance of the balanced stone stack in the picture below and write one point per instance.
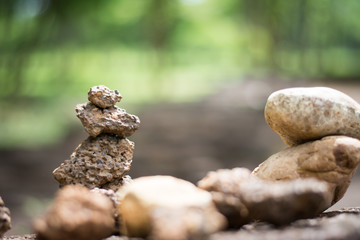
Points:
(103, 159)
(322, 128)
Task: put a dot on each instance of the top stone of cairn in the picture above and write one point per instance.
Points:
(103, 97)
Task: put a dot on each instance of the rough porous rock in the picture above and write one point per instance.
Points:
(5, 220)
(114, 185)
(333, 159)
(103, 97)
(97, 162)
(77, 213)
(303, 114)
(109, 120)
(242, 198)
(165, 207)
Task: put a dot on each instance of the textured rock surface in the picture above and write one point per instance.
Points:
(242, 197)
(5, 220)
(77, 213)
(224, 188)
(21, 237)
(332, 159)
(103, 97)
(337, 225)
(303, 114)
(109, 120)
(185, 211)
(97, 162)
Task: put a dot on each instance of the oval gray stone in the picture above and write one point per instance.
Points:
(299, 115)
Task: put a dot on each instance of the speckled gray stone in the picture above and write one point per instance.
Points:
(103, 97)
(303, 114)
(5, 220)
(112, 120)
(97, 162)
(332, 159)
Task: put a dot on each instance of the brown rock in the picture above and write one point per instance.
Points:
(5, 220)
(303, 114)
(117, 183)
(77, 213)
(109, 120)
(165, 207)
(103, 97)
(242, 197)
(110, 194)
(332, 159)
(224, 188)
(283, 202)
(97, 162)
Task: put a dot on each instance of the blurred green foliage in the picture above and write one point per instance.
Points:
(53, 51)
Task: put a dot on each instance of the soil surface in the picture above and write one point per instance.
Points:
(224, 130)
(343, 224)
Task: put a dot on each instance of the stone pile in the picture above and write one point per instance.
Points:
(103, 159)
(321, 127)
(86, 205)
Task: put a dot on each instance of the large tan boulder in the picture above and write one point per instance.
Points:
(165, 207)
(332, 159)
(304, 114)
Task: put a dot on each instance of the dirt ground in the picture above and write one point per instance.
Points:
(224, 130)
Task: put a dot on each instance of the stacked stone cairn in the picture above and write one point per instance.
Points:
(322, 127)
(98, 164)
(103, 159)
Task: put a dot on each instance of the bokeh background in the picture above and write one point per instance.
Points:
(196, 72)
